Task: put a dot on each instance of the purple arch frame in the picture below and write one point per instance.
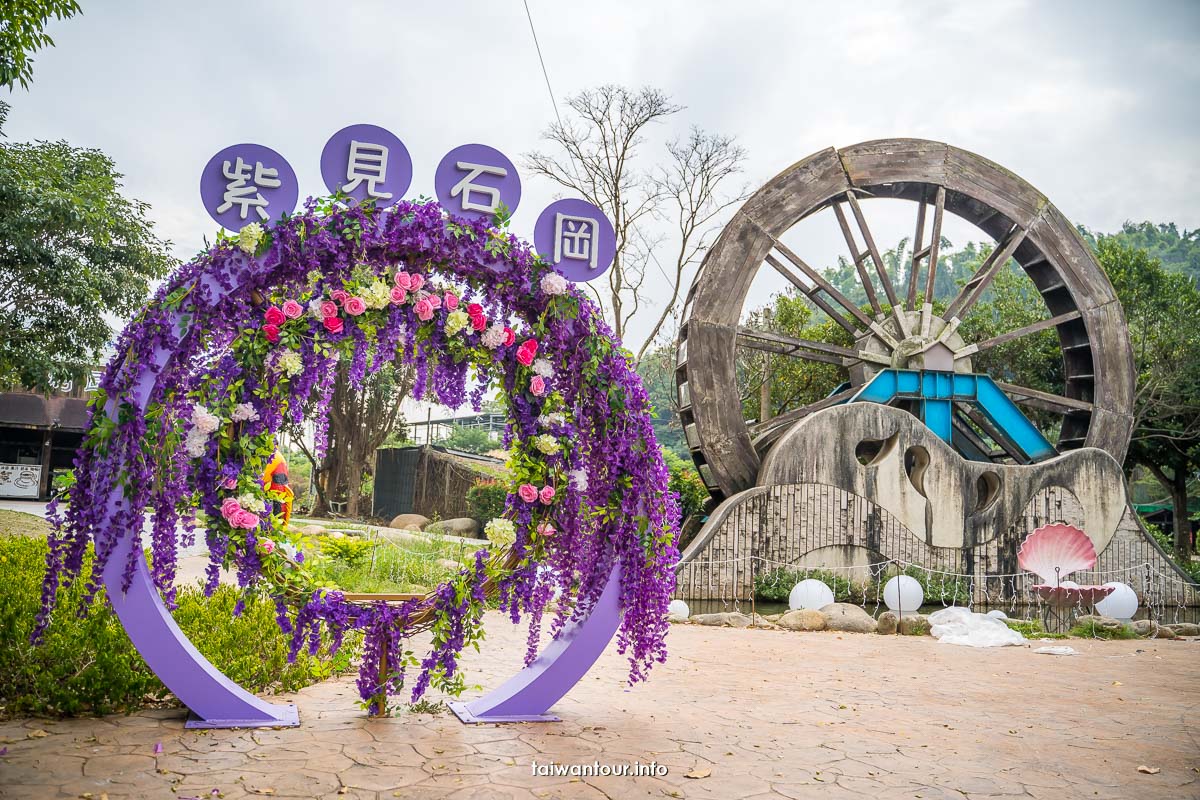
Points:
(215, 701)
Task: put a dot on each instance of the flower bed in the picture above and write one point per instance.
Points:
(250, 334)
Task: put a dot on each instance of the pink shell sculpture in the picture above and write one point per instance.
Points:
(1073, 595)
(1053, 552)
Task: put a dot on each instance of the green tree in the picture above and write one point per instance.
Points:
(73, 249)
(1162, 310)
(657, 371)
(22, 24)
(1178, 251)
(470, 440)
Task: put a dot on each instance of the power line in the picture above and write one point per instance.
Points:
(542, 61)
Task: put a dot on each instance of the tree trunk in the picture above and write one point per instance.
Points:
(1183, 526)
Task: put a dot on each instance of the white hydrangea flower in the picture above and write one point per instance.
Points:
(249, 501)
(244, 412)
(579, 479)
(553, 283)
(377, 295)
(203, 420)
(249, 237)
(314, 308)
(290, 363)
(541, 366)
(196, 443)
(546, 443)
(493, 337)
(500, 532)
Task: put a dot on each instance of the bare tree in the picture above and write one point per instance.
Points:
(597, 157)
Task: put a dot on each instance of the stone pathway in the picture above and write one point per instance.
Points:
(733, 714)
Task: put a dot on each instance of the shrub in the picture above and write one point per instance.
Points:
(775, 586)
(87, 665)
(1090, 630)
(951, 590)
(685, 482)
(350, 550)
(485, 499)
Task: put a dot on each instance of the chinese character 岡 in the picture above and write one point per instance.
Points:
(575, 238)
(465, 187)
(367, 162)
(239, 192)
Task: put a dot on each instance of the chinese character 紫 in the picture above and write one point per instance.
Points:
(465, 187)
(575, 238)
(367, 162)
(243, 191)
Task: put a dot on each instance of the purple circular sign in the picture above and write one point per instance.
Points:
(247, 183)
(367, 161)
(473, 180)
(576, 238)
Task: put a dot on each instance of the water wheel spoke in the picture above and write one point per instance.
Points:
(769, 430)
(818, 283)
(1035, 327)
(974, 288)
(1046, 401)
(935, 242)
(873, 251)
(914, 269)
(791, 346)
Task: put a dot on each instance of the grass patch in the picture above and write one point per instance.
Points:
(1090, 630)
(87, 665)
(18, 523)
(381, 565)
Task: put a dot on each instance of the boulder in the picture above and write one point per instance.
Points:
(402, 537)
(804, 619)
(887, 623)
(1101, 622)
(727, 619)
(446, 563)
(913, 625)
(1146, 628)
(404, 520)
(311, 530)
(1164, 632)
(456, 526)
(848, 618)
(1185, 629)
(678, 619)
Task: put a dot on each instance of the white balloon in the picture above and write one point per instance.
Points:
(1121, 604)
(679, 608)
(1069, 585)
(903, 593)
(997, 614)
(810, 593)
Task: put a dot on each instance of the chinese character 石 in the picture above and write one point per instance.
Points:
(575, 238)
(465, 187)
(239, 192)
(367, 162)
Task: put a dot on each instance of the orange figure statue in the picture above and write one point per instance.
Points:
(275, 481)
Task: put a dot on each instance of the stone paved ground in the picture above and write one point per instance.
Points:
(757, 714)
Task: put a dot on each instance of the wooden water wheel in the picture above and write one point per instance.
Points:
(897, 326)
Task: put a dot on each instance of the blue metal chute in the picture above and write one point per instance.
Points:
(936, 393)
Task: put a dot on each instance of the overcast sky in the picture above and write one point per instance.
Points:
(1095, 103)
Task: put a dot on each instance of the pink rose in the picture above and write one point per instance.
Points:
(404, 281)
(229, 483)
(416, 281)
(527, 351)
(333, 324)
(528, 492)
(424, 310)
(329, 309)
(450, 299)
(546, 495)
(538, 385)
(479, 322)
(474, 310)
(546, 530)
(399, 295)
(274, 316)
(292, 309)
(267, 545)
(434, 300)
(339, 295)
(245, 519)
(509, 336)
(229, 508)
(354, 306)
(272, 332)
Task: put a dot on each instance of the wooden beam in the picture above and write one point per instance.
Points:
(973, 289)
(935, 241)
(863, 277)
(1046, 401)
(914, 269)
(820, 281)
(793, 344)
(812, 293)
(762, 431)
(1041, 325)
(371, 597)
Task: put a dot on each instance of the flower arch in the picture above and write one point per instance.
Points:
(250, 334)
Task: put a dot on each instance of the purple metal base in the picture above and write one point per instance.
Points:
(528, 695)
(290, 718)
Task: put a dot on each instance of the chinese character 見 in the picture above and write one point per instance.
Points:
(575, 238)
(244, 192)
(367, 162)
(466, 186)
